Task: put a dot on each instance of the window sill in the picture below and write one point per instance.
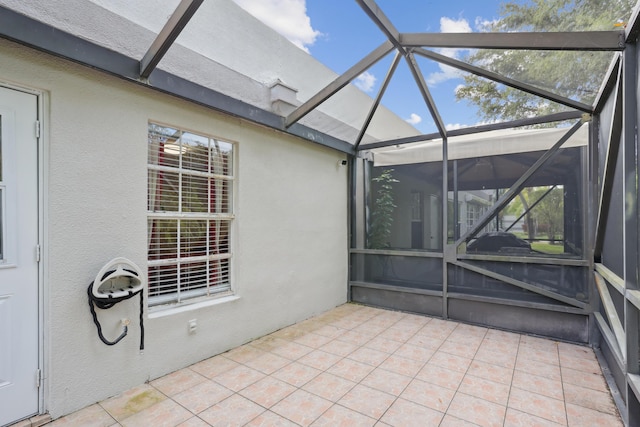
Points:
(163, 311)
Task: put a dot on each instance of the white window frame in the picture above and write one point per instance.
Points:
(217, 259)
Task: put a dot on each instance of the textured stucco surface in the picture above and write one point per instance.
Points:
(289, 242)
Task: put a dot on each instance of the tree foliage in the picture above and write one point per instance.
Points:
(382, 216)
(577, 75)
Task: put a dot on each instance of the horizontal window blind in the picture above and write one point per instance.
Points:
(190, 183)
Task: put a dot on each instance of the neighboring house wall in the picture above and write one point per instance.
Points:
(289, 236)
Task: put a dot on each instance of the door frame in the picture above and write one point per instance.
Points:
(43, 294)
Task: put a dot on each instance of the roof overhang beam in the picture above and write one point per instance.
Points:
(170, 32)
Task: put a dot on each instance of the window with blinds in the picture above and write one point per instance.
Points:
(190, 210)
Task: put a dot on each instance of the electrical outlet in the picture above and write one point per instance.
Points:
(193, 326)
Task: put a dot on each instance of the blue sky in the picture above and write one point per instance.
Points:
(338, 33)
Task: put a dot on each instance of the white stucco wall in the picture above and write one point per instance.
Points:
(289, 241)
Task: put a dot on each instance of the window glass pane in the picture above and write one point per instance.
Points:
(219, 237)
(221, 158)
(220, 196)
(164, 146)
(195, 152)
(193, 238)
(164, 191)
(163, 279)
(163, 239)
(195, 193)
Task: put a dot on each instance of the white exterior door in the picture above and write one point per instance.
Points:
(19, 304)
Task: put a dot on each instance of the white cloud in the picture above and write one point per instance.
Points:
(365, 81)
(448, 25)
(287, 17)
(414, 119)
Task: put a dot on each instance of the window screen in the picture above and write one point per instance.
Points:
(190, 186)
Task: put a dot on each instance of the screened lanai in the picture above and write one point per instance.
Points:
(527, 221)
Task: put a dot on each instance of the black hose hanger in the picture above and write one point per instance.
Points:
(118, 280)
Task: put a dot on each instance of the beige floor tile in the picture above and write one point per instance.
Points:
(584, 379)
(425, 341)
(356, 338)
(387, 381)
(351, 370)
(438, 375)
(214, 366)
(239, 378)
(537, 342)
(292, 350)
(367, 401)
(404, 413)
(268, 391)
(451, 421)
(164, 414)
(429, 395)
(402, 365)
(580, 364)
(491, 372)
(369, 356)
(268, 363)
(461, 349)
(302, 407)
(506, 360)
(132, 401)
(400, 335)
(588, 398)
(414, 352)
(193, 422)
(91, 416)
(504, 336)
(243, 354)
(538, 405)
(319, 359)
(339, 348)
(329, 386)
(579, 416)
(516, 418)
(233, 411)
(269, 419)
(296, 374)
(268, 343)
(538, 368)
(178, 381)
(537, 384)
(539, 355)
(476, 410)
(450, 361)
(313, 340)
(383, 344)
(499, 346)
(578, 351)
(290, 333)
(485, 389)
(202, 396)
(339, 416)
(330, 331)
(369, 329)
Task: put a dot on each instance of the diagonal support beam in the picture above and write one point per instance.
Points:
(380, 19)
(376, 102)
(343, 80)
(171, 30)
(426, 95)
(611, 312)
(504, 80)
(533, 205)
(570, 40)
(521, 284)
(613, 147)
(518, 185)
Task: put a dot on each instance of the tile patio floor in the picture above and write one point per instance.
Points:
(361, 366)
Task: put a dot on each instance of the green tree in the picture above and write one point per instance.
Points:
(382, 215)
(577, 75)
